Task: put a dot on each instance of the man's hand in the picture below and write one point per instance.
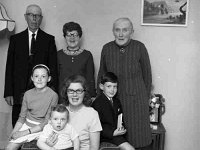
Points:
(9, 100)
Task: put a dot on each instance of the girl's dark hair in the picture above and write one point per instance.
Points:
(75, 79)
(61, 109)
(109, 77)
(72, 26)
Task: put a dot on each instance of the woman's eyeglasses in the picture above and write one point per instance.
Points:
(74, 35)
(78, 91)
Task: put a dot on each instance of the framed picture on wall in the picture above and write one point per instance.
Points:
(164, 12)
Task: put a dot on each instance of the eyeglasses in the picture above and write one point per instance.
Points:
(72, 34)
(78, 91)
(34, 15)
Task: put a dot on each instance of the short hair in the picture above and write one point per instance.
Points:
(33, 5)
(72, 26)
(75, 79)
(109, 77)
(123, 19)
(38, 66)
(61, 109)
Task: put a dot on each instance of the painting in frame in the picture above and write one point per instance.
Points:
(165, 12)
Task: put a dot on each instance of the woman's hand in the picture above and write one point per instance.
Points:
(10, 137)
(14, 135)
(76, 143)
(52, 139)
(119, 131)
(18, 134)
(52, 148)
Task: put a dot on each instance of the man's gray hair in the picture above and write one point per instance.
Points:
(33, 5)
(123, 19)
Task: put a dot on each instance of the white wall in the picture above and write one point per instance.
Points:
(174, 54)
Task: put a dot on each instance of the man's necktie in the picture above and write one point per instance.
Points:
(33, 41)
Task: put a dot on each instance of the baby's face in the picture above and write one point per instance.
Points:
(58, 120)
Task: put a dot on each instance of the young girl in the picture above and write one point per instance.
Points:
(36, 107)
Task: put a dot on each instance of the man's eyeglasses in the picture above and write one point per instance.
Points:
(78, 91)
(34, 15)
(72, 35)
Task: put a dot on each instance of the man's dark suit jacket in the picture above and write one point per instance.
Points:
(17, 66)
(108, 115)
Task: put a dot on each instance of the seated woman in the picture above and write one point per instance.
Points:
(83, 118)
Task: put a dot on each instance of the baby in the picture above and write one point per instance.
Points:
(67, 137)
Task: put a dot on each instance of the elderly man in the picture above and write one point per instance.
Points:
(129, 60)
(27, 49)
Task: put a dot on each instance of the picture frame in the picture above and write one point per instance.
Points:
(156, 108)
(155, 116)
(165, 12)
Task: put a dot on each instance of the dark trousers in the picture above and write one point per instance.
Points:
(16, 108)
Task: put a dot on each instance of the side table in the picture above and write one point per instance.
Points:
(158, 137)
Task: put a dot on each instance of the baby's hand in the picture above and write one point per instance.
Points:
(52, 139)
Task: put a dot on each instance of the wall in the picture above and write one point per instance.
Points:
(174, 54)
(5, 110)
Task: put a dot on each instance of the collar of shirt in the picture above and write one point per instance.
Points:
(30, 38)
(30, 34)
(123, 46)
(109, 98)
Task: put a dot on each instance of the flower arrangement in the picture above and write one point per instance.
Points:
(156, 101)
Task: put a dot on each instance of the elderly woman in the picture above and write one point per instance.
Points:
(129, 60)
(75, 60)
(83, 118)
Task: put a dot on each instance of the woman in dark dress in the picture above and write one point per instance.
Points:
(73, 59)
